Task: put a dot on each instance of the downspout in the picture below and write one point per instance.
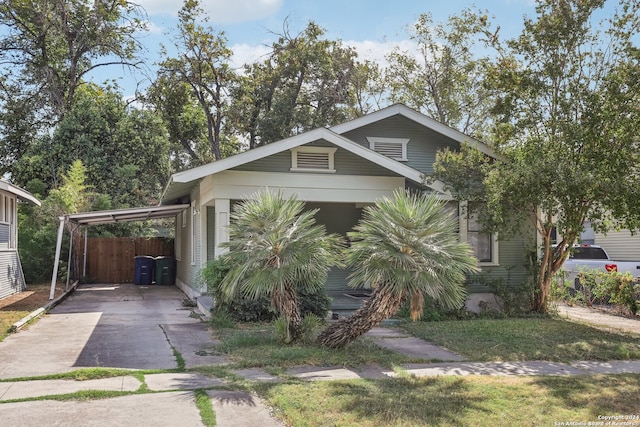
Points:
(63, 220)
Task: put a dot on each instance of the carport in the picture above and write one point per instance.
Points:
(73, 222)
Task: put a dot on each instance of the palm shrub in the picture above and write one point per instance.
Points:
(404, 247)
(276, 249)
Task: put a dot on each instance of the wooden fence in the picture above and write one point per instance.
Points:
(111, 259)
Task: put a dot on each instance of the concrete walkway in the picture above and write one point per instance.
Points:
(86, 323)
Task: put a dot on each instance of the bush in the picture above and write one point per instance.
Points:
(243, 309)
(601, 287)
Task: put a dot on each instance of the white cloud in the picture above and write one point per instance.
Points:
(219, 11)
(247, 54)
(367, 50)
(377, 51)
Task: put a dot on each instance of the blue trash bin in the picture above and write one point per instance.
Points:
(143, 270)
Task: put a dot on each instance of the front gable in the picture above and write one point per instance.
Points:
(423, 142)
(343, 162)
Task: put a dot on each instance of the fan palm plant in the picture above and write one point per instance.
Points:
(403, 248)
(276, 249)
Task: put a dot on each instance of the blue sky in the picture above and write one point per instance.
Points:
(373, 27)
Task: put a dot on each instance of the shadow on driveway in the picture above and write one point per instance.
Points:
(117, 326)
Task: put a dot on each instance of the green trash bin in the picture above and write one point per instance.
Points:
(165, 270)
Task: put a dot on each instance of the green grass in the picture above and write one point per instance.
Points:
(203, 402)
(7, 319)
(459, 401)
(250, 346)
(527, 339)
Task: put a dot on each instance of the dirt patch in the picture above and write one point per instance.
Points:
(34, 297)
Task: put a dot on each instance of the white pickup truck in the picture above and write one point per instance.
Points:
(584, 257)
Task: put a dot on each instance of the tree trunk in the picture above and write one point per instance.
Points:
(286, 302)
(380, 306)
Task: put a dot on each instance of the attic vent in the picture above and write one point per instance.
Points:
(312, 159)
(394, 148)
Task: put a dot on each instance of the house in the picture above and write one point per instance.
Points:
(11, 274)
(621, 245)
(339, 170)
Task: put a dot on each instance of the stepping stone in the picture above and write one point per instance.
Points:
(256, 375)
(314, 373)
(417, 348)
(184, 381)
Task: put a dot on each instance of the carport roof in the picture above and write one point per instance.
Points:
(125, 215)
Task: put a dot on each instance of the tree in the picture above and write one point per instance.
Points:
(185, 120)
(566, 133)
(276, 249)
(202, 64)
(403, 248)
(49, 47)
(446, 80)
(38, 226)
(306, 82)
(125, 151)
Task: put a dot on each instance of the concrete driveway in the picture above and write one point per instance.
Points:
(118, 326)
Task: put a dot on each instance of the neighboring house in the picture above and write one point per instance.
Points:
(339, 170)
(621, 245)
(11, 274)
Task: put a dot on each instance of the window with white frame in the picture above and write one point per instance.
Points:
(483, 243)
(313, 159)
(394, 148)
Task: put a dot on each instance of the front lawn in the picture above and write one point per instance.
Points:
(17, 306)
(459, 401)
(527, 339)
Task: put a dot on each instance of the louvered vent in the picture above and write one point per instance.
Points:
(389, 149)
(394, 148)
(313, 160)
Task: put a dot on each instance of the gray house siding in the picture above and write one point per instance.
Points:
(512, 270)
(345, 163)
(423, 142)
(11, 278)
(189, 264)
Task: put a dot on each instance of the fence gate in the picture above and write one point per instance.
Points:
(111, 259)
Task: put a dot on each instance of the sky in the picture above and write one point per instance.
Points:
(373, 27)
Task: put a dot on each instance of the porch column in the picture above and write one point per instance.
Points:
(222, 209)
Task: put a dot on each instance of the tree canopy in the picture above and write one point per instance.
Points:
(566, 130)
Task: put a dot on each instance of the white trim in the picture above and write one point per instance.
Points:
(403, 142)
(23, 195)
(194, 213)
(223, 212)
(310, 187)
(329, 151)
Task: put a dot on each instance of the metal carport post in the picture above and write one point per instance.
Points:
(108, 217)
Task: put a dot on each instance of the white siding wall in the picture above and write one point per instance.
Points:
(620, 245)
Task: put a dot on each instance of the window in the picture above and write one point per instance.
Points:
(480, 242)
(313, 159)
(484, 244)
(394, 148)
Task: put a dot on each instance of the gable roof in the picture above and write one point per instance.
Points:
(181, 183)
(23, 195)
(413, 115)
